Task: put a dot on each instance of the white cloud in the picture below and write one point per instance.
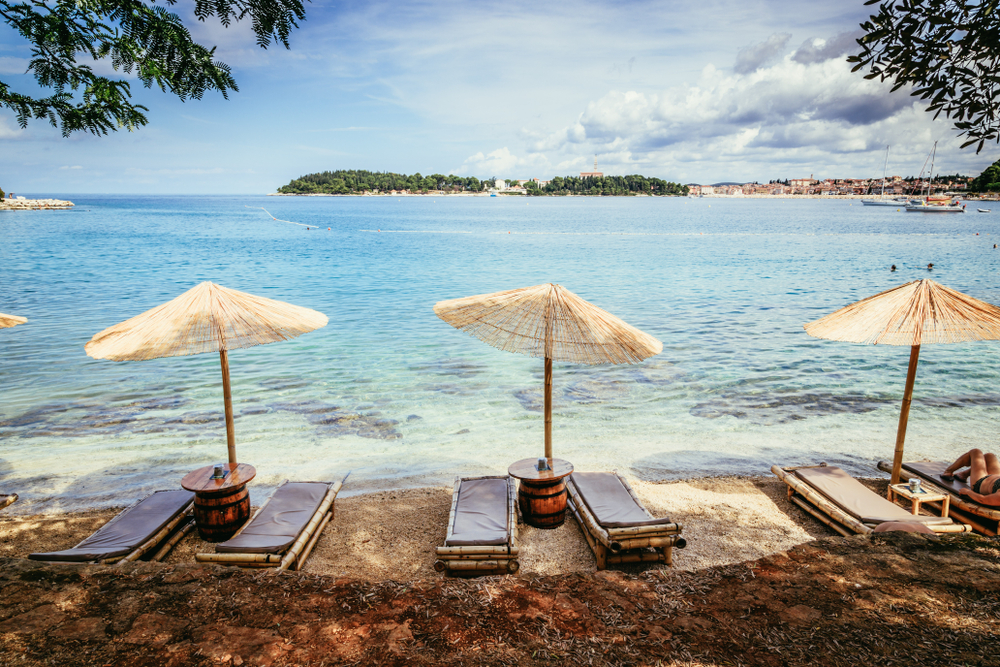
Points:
(752, 57)
(75, 166)
(805, 113)
(10, 65)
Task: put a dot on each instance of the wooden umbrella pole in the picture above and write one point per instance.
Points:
(227, 395)
(904, 413)
(548, 407)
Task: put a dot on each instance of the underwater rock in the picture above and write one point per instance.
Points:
(331, 421)
(449, 367)
(282, 384)
(781, 408)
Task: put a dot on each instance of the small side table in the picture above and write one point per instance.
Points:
(542, 493)
(221, 506)
(924, 495)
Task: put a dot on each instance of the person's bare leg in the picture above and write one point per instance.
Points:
(977, 465)
(992, 464)
(962, 461)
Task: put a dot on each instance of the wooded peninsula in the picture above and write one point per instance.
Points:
(357, 182)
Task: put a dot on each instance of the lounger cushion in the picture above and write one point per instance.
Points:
(127, 531)
(281, 520)
(610, 502)
(931, 471)
(481, 513)
(857, 499)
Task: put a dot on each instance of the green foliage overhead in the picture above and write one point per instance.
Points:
(138, 37)
(342, 182)
(948, 50)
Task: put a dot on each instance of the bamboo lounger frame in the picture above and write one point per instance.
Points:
(475, 560)
(826, 512)
(295, 557)
(633, 544)
(983, 519)
(185, 517)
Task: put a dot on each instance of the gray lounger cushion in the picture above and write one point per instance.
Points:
(610, 502)
(857, 499)
(931, 471)
(280, 521)
(127, 531)
(481, 513)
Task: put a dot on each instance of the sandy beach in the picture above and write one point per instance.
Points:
(760, 584)
(392, 535)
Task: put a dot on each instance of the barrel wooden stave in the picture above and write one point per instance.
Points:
(219, 515)
(543, 503)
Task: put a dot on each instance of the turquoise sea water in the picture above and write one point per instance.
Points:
(400, 398)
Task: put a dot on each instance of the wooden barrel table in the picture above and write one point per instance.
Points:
(542, 493)
(221, 506)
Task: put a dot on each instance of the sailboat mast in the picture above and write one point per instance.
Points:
(884, 167)
(930, 176)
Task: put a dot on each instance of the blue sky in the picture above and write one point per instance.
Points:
(688, 92)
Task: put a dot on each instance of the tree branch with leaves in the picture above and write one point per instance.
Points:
(138, 38)
(948, 51)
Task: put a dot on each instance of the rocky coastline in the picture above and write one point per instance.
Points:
(34, 204)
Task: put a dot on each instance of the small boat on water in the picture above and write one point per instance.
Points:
(934, 203)
(882, 201)
(983, 210)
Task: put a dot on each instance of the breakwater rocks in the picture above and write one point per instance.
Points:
(20, 204)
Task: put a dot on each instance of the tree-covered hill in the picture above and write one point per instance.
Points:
(353, 181)
(345, 182)
(607, 185)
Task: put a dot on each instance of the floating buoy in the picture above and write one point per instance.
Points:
(327, 229)
(307, 229)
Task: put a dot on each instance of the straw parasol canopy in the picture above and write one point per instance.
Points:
(206, 318)
(551, 322)
(918, 312)
(7, 321)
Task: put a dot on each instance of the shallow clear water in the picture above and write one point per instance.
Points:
(398, 397)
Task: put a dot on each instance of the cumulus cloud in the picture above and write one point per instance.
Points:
(807, 110)
(752, 57)
(817, 50)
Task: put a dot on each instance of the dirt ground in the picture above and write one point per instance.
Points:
(890, 598)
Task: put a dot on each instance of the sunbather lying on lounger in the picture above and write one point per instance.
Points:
(983, 470)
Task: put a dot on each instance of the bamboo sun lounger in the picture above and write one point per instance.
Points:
(7, 499)
(482, 528)
(158, 521)
(617, 526)
(849, 507)
(983, 518)
(283, 532)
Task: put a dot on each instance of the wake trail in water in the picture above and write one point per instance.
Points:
(278, 219)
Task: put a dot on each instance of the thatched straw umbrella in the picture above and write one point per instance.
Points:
(551, 322)
(918, 312)
(7, 321)
(206, 318)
